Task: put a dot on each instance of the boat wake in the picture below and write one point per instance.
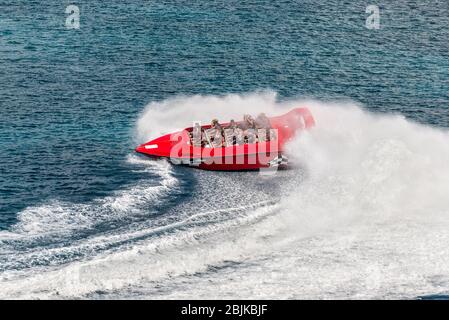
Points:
(59, 217)
(364, 216)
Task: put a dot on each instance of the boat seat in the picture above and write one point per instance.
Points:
(229, 137)
(273, 134)
(251, 135)
(263, 135)
(196, 139)
(214, 138)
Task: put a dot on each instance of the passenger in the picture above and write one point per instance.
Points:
(248, 126)
(216, 125)
(251, 136)
(196, 130)
(262, 122)
(232, 125)
(239, 137)
(219, 136)
(197, 137)
(248, 122)
(234, 135)
(263, 126)
(251, 122)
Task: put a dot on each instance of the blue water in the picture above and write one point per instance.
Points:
(70, 101)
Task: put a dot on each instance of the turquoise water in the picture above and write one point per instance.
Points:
(70, 101)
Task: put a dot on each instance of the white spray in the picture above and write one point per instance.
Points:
(369, 219)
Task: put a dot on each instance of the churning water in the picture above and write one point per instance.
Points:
(365, 214)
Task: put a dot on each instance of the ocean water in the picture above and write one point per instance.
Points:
(366, 214)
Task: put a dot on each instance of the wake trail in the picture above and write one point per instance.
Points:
(369, 199)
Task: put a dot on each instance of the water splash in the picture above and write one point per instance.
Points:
(367, 217)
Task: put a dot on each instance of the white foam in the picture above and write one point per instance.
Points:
(58, 217)
(365, 164)
(180, 112)
(173, 254)
(369, 220)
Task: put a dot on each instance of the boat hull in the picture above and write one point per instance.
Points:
(178, 149)
(246, 162)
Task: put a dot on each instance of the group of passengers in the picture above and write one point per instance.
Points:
(250, 130)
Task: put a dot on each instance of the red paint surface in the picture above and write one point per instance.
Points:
(177, 149)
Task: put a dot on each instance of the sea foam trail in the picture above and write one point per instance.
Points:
(374, 201)
(358, 162)
(372, 204)
(62, 217)
(365, 165)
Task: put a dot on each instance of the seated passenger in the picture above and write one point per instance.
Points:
(196, 129)
(248, 123)
(197, 137)
(233, 134)
(251, 136)
(232, 125)
(262, 122)
(218, 140)
(213, 137)
(216, 125)
(263, 127)
(239, 137)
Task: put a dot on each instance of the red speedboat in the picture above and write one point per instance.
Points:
(203, 147)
